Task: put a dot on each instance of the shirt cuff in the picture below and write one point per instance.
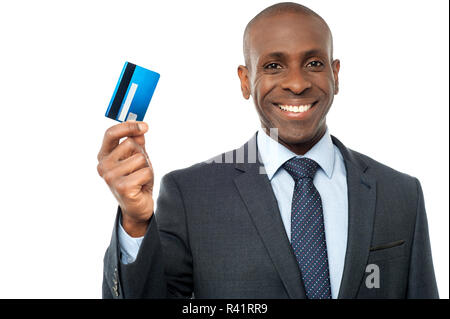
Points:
(129, 246)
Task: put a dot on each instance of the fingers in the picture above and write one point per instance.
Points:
(140, 177)
(119, 131)
(125, 149)
(140, 140)
(131, 186)
(127, 167)
(130, 175)
(122, 153)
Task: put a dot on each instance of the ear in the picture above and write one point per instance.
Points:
(336, 66)
(245, 84)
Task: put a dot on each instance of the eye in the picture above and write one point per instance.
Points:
(315, 64)
(272, 65)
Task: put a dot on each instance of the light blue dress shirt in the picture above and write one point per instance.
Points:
(331, 182)
(129, 246)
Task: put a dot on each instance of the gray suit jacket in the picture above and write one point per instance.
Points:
(217, 233)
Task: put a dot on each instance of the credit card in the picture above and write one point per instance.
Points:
(133, 93)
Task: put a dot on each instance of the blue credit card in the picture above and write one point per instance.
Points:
(133, 93)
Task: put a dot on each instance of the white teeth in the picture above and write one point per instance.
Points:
(295, 108)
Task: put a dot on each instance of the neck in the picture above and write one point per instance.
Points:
(304, 147)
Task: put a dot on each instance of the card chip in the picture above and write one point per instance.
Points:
(131, 117)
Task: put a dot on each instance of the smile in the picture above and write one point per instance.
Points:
(295, 108)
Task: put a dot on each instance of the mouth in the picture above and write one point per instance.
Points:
(295, 108)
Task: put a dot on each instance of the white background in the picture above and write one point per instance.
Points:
(60, 61)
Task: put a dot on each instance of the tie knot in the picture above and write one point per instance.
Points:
(301, 167)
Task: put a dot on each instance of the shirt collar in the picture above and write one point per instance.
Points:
(274, 155)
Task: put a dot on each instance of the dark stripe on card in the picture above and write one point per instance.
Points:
(122, 90)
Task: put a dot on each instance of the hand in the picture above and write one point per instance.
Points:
(127, 170)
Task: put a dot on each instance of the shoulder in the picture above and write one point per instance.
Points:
(388, 179)
(221, 168)
(398, 194)
(380, 169)
(206, 173)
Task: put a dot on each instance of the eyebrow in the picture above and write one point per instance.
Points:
(281, 55)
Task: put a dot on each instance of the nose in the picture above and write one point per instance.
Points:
(295, 81)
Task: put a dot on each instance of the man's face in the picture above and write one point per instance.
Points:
(291, 76)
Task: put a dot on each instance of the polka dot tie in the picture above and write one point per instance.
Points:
(307, 229)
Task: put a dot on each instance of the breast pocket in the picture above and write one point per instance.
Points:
(387, 251)
(386, 271)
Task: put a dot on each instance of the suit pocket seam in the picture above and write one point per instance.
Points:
(387, 253)
(388, 245)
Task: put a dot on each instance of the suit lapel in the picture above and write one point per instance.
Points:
(361, 213)
(257, 194)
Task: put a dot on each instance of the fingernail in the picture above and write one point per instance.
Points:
(142, 126)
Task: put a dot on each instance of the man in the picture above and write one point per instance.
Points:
(318, 221)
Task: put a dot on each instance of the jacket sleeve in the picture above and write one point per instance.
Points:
(163, 266)
(421, 280)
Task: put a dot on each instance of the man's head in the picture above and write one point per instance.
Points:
(288, 51)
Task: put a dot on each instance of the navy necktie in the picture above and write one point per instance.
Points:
(307, 229)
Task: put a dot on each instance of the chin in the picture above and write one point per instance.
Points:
(297, 136)
(296, 139)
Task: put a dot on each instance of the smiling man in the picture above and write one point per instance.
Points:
(321, 221)
(288, 52)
